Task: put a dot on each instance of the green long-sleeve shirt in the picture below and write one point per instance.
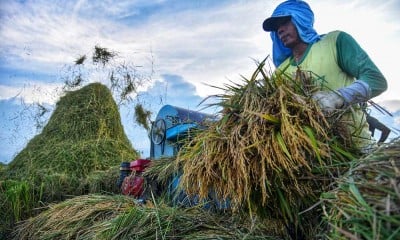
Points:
(356, 62)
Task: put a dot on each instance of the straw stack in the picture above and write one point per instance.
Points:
(78, 152)
(84, 134)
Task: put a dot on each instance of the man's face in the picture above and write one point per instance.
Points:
(288, 34)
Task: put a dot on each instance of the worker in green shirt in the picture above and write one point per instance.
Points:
(349, 76)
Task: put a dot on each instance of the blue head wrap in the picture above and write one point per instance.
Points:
(302, 17)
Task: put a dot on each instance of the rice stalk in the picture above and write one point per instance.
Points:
(269, 150)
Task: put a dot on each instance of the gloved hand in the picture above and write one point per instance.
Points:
(357, 92)
(328, 100)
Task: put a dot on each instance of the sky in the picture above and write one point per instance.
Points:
(186, 46)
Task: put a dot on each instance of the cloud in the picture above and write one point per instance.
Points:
(374, 25)
(209, 46)
(173, 90)
(391, 105)
(45, 35)
(34, 92)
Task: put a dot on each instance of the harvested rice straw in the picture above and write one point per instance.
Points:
(78, 218)
(161, 170)
(83, 139)
(158, 177)
(271, 137)
(83, 134)
(366, 202)
(118, 217)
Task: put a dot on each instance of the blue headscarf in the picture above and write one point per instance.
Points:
(303, 18)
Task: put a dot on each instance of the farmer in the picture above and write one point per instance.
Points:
(348, 74)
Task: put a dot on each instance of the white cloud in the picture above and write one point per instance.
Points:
(208, 46)
(37, 92)
(47, 34)
(391, 105)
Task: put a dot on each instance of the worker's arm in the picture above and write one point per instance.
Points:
(353, 60)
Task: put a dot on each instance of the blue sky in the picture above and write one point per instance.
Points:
(187, 43)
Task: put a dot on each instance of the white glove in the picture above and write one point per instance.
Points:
(328, 100)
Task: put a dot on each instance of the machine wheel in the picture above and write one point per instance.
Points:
(158, 131)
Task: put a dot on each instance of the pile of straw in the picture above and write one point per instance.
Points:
(119, 217)
(78, 152)
(366, 202)
(84, 134)
(271, 150)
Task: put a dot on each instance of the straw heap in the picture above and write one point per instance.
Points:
(84, 134)
(78, 152)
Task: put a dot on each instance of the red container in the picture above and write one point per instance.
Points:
(139, 165)
(133, 185)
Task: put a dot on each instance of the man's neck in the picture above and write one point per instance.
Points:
(299, 50)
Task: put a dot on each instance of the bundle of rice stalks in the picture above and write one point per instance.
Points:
(161, 170)
(158, 177)
(271, 150)
(366, 202)
(119, 217)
